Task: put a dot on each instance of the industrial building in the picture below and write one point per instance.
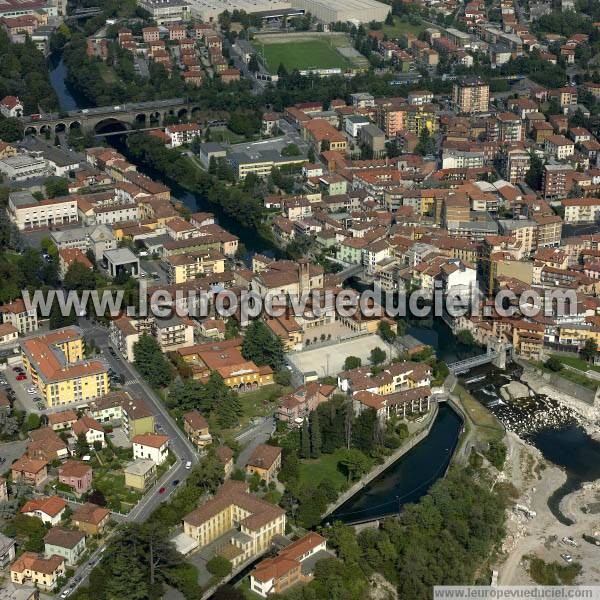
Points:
(328, 11)
(332, 11)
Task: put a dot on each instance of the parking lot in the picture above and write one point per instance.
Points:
(19, 382)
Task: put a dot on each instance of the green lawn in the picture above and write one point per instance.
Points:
(260, 402)
(580, 379)
(313, 471)
(313, 54)
(401, 26)
(488, 427)
(577, 363)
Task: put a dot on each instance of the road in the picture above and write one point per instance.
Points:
(179, 443)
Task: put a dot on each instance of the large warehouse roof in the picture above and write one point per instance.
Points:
(344, 10)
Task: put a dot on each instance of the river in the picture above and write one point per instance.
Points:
(552, 428)
(410, 477)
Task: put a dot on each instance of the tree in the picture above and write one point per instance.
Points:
(227, 592)
(377, 356)
(11, 130)
(426, 144)
(305, 440)
(291, 150)
(218, 566)
(150, 361)
(32, 422)
(315, 435)
(352, 362)
(534, 176)
(554, 364)
(465, 337)
(385, 332)
(262, 346)
(81, 445)
(56, 186)
(253, 64)
(589, 350)
(389, 20)
(354, 463)
(79, 277)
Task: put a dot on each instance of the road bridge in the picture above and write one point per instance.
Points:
(107, 119)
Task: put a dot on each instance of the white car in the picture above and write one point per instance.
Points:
(31, 391)
(188, 465)
(64, 594)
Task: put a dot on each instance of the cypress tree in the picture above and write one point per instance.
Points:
(315, 435)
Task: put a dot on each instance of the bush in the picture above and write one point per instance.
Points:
(553, 364)
(218, 566)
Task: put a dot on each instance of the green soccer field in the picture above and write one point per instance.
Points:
(313, 54)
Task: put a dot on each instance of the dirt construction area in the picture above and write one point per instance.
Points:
(329, 360)
(542, 534)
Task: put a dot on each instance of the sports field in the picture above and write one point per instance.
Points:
(301, 55)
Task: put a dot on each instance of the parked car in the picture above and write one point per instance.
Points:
(31, 391)
(21, 376)
(188, 465)
(162, 490)
(567, 558)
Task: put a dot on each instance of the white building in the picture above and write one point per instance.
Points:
(91, 429)
(28, 213)
(333, 11)
(48, 509)
(457, 277)
(23, 167)
(11, 106)
(167, 11)
(354, 123)
(152, 446)
(182, 133)
(461, 159)
(582, 210)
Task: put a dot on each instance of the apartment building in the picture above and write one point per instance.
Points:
(321, 133)
(471, 96)
(15, 313)
(182, 133)
(67, 543)
(582, 210)
(56, 365)
(554, 181)
(510, 128)
(516, 165)
(28, 213)
(173, 332)
(251, 522)
(184, 267)
(559, 147)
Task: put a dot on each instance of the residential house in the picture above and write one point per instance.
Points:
(140, 474)
(68, 543)
(44, 573)
(91, 518)
(49, 509)
(77, 475)
(91, 429)
(265, 460)
(196, 427)
(152, 446)
(30, 471)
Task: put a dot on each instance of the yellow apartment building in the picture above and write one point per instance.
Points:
(56, 364)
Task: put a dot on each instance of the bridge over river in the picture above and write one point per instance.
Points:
(106, 119)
